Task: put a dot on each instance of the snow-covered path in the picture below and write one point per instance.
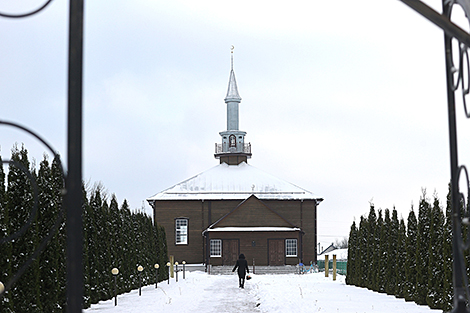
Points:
(223, 295)
(200, 292)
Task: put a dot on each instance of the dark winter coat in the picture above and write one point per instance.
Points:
(242, 265)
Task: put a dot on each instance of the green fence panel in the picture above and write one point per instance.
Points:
(340, 266)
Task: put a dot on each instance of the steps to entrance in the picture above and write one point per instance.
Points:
(259, 270)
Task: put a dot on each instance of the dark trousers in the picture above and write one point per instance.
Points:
(241, 281)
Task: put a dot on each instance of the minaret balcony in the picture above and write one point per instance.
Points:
(233, 155)
(241, 148)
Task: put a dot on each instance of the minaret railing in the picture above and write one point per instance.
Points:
(221, 148)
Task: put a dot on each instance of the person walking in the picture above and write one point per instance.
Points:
(242, 265)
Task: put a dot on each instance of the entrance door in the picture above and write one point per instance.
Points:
(276, 251)
(230, 251)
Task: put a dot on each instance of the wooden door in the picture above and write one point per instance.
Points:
(230, 250)
(276, 251)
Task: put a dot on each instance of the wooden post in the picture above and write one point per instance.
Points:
(172, 272)
(326, 266)
(334, 266)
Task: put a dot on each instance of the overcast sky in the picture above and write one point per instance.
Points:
(346, 99)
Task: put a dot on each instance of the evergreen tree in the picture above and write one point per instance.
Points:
(384, 252)
(116, 243)
(127, 248)
(465, 231)
(352, 244)
(392, 252)
(25, 293)
(2, 196)
(112, 238)
(3, 213)
(115, 232)
(158, 249)
(422, 250)
(49, 258)
(87, 240)
(140, 251)
(371, 246)
(137, 260)
(6, 303)
(94, 246)
(163, 254)
(378, 252)
(410, 262)
(33, 272)
(360, 252)
(151, 249)
(447, 265)
(400, 260)
(104, 285)
(364, 250)
(59, 240)
(99, 249)
(435, 268)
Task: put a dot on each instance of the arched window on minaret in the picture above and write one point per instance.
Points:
(232, 141)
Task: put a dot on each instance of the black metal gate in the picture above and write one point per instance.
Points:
(73, 176)
(458, 79)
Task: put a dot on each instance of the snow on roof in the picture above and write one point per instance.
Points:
(254, 229)
(341, 254)
(233, 182)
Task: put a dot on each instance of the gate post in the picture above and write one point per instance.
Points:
(172, 272)
(253, 265)
(73, 184)
(334, 266)
(326, 266)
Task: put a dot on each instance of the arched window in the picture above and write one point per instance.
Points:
(233, 141)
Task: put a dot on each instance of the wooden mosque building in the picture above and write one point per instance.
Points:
(236, 208)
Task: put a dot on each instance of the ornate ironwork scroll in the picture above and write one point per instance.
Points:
(32, 12)
(458, 78)
(73, 179)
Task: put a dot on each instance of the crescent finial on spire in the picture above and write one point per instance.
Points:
(232, 92)
(231, 51)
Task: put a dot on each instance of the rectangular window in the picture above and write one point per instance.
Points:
(181, 231)
(216, 247)
(291, 247)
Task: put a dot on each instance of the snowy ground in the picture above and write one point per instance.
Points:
(200, 292)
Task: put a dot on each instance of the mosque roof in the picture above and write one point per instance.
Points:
(224, 182)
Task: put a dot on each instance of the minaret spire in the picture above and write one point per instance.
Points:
(232, 92)
(233, 149)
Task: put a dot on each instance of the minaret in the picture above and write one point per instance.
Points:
(233, 149)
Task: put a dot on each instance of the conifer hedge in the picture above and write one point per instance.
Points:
(413, 262)
(113, 237)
